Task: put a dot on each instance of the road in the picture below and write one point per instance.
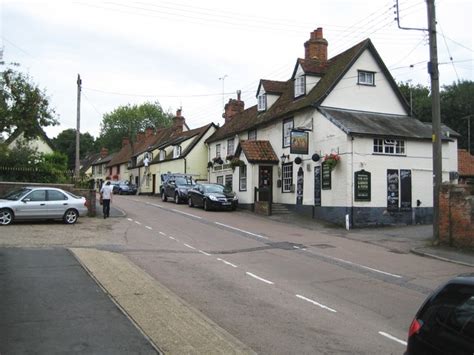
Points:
(278, 288)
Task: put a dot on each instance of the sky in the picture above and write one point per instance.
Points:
(195, 55)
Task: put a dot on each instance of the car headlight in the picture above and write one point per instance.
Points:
(235, 198)
(212, 197)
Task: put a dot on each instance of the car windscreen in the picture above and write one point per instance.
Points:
(16, 194)
(213, 188)
(184, 181)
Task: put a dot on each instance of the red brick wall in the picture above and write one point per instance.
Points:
(456, 226)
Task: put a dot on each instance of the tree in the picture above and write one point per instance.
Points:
(65, 142)
(127, 121)
(23, 105)
(420, 100)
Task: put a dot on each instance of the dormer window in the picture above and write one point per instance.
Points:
(162, 154)
(262, 102)
(300, 85)
(366, 78)
(176, 151)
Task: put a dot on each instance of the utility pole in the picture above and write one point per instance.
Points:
(436, 118)
(78, 127)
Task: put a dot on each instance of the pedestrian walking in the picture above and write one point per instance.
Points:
(106, 195)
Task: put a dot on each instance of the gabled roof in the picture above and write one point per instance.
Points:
(103, 160)
(287, 105)
(361, 123)
(39, 132)
(257, 152)
(272, 86)
(88, 161)
(310, 67)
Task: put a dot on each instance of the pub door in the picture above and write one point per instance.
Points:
(154, 184)
(265, 183)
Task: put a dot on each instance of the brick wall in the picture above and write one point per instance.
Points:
(457, 216)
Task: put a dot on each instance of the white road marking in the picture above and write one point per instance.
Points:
(154, 204)
(172, 238)
(358, 265)
(226, 262)
(187, 214)
(241, 230)
(203, 252)
(316, 303)
(162, 233)
(391, 337)
(294, 246)
(131, 220)
(189, 246)
(137, 222)
(259, 278)
(148, 227)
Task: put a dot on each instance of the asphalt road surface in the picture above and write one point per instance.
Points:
(280, 288)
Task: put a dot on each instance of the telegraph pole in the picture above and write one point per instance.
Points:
(436, 118)
(78, 126)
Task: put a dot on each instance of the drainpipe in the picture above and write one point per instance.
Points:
(352, 183)
(184, 165)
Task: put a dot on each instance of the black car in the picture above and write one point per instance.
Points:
(445, 322)
(176, 187)
(124, 188)
(212, 196)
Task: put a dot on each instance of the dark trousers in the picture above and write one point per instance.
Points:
(106, 207)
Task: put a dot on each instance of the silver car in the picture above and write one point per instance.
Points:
(41, 203)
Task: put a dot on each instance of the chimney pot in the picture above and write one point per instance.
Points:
(233, 107)
(317, 46)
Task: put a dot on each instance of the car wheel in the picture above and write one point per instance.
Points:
(206, 205)
(163, 197)
(6, 217)
(120, 192)
(190, 202)
(176, 198)
(71, 216)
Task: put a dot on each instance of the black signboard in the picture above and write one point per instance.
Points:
(362, 185)
(325, 176)
(392, 190)
(317, 185)
(299, 187)
(405, 190)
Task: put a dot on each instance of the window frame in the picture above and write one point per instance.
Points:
(286, 181)
(365, 74)
(176, 151)
(262, 102)
(383, 146)
(288, 136)
(221, 179)
(300, 86)
(230, 146)
(162, 154)
(243, 178)
(250, 137)
(218, 150)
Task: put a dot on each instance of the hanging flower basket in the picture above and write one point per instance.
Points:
(236, 162)
(330, 160)
(218, 160)
(229, 157)
(210, 164)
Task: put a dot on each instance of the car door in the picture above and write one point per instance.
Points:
(33, 205)
(57, 203)
(169, 188)
(199, 197)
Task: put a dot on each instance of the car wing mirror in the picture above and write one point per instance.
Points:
(25, 200)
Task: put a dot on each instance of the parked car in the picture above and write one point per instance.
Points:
(41, 203)
(212, 196)
(445, 322)
(176, 187)
(124, 188)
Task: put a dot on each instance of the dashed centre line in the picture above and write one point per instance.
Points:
(226, 262)
(148, 227)
(162, 233)
(130, 220)
(391, 337)
(189, 246)
(260, 278)
(203, 252)
(241, 230)
(137, 222)
(172, 237)
(316, 303)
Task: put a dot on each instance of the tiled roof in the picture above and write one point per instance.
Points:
(287, 105)
(273, 86)
(465, 163)
(258, 151)
(88, 161)
(312, 66)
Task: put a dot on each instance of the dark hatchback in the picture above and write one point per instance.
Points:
(212, 197)
(445, 322)
(124, 188)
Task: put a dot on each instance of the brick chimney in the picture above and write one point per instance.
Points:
(233, 107)
(316, 47)
(125, 141)
(178, 121)
(149, 131)
(140, 136)
(104, 152)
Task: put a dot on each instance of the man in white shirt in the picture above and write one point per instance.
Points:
(106, 194)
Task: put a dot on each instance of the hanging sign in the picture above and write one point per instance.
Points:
(392, 190)
(299, 142)
(317, 185)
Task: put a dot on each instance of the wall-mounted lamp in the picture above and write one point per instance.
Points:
(284, 157)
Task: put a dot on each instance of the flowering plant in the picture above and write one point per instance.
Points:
(217, 160)
(229, 157)
(236, 162)
(331, 160)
